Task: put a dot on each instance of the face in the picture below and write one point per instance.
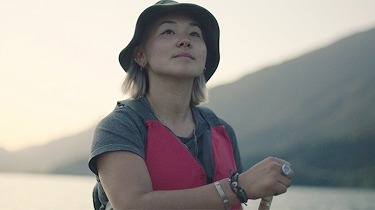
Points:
(174, 48)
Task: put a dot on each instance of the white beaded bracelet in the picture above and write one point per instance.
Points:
(222, 195)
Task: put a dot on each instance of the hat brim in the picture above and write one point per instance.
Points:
(207, 21)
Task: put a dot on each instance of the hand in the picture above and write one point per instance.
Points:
(265, 179)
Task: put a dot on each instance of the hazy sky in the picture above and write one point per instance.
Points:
(59, 72)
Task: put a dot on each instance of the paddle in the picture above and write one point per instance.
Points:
(265, 203)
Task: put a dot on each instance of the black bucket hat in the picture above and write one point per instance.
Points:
(207, 21)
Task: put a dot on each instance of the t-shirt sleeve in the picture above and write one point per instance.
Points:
(121, 130)
(233, 139)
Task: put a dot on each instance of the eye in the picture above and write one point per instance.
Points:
(168, 32)
(195, 34)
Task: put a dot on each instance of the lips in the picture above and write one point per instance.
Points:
(183, 54)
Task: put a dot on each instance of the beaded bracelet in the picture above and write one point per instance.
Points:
(240, 193)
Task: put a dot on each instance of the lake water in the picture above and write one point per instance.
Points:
(60, 192)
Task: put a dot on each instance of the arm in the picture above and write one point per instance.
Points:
(125, 179)
(268, 167)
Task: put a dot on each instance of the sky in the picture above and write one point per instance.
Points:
(59, 72)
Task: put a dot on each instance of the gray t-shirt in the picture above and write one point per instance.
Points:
(124, 130)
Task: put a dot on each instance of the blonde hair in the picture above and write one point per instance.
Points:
(136, 85)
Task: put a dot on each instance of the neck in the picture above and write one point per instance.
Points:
(171, 104)
(170, 95)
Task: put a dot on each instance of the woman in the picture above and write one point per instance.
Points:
(159, 149)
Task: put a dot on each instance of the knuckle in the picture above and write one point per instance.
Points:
(271, 159)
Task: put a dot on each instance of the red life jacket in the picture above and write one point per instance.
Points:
(171, 166)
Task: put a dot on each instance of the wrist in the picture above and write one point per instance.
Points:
(222, 195)
(236, 188)
(232, 198)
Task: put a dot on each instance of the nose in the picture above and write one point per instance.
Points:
(184, 42)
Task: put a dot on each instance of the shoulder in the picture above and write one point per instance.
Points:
(215, 120)
(122, 129)
(227, 126)
(126, 113)
(210, 115)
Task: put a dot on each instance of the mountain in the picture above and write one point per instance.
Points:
(316, 111)
(45, 158)
(321, 100)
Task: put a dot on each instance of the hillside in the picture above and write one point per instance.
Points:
(316, 111)
(320, 100)
(44, 158)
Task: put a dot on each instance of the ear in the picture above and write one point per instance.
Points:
(140, 57)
